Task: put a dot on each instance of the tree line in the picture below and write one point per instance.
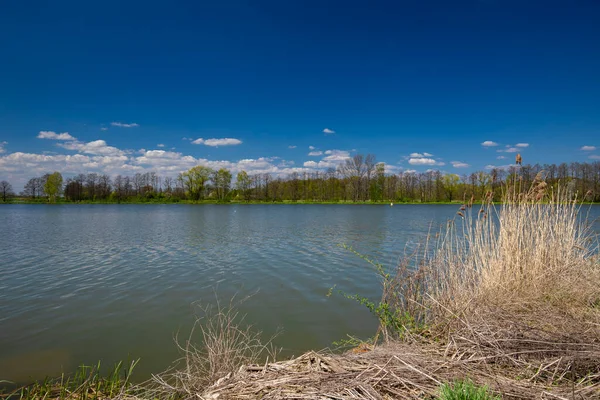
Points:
(358, 179)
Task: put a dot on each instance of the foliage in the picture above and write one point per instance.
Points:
(465, 390)
(195, 180)
(399, 311)
(222, 182)
(53, 185)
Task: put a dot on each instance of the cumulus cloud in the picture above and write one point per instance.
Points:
(2, 149)
(588, 148)
(124, 125)
(55, 136)
(218, 142)
(336, 155)
(328, 131)
(392, 169)
(420, 155)
(459, 164)
(160, 145)
(489, 143)
(502, 167)
(594, 157)
(291, 147)
(424, 161)
(331, 159)
(96, 147)
(315, 153)
(99, 157)
(311, 147)
(513, 149)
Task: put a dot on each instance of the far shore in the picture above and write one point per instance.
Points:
(252, 202)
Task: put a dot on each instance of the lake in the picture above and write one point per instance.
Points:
(80, 283)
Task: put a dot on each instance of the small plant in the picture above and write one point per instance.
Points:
(400, 310)
(226, 342)
(465, 390)
(86, 384)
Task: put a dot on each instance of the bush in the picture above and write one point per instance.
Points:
(465, 390)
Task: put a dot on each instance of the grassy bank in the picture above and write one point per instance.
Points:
(231, 202)
(503, 302)
(242, 202)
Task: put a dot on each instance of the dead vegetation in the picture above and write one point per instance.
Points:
(507, 297)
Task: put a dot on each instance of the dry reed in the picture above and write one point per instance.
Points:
(506, 296)
(227, 342)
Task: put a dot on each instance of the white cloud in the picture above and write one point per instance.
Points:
(513, 149)
(104, 128)
(291, 147)
(218, 142)
(97, 156)
(424, 161)
(501, 157)
(311, 147)
(124, 125)
(410, 171)
(315, 153)
(489, 143)
(392, 169)
(336, 155)
(2, 149)
(55, 136)
(328, 131)
(588, 148)
(96, 147)
(160, 145)
(419, 155)
(459, 164)
(332, 159)
(502, 167)
(594, 157)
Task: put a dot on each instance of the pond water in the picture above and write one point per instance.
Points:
(82, 283)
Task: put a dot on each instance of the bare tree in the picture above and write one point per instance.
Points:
(6, 190)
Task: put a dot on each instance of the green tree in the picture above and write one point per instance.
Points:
(451, 185)
(378, 184)
(53, 186)
(222, 181)
(195, 181)
(243, 184)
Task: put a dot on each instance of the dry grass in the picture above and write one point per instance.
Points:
(524, 278)
(394, 371)
(507, 297)
(227, 342)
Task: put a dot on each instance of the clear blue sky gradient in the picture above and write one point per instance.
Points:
(390, 78)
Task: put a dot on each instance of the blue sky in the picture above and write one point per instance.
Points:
(136, 84)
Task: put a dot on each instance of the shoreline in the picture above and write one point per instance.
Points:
(248, 203)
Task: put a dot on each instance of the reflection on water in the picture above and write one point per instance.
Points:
(35, 363)
(116, 282)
